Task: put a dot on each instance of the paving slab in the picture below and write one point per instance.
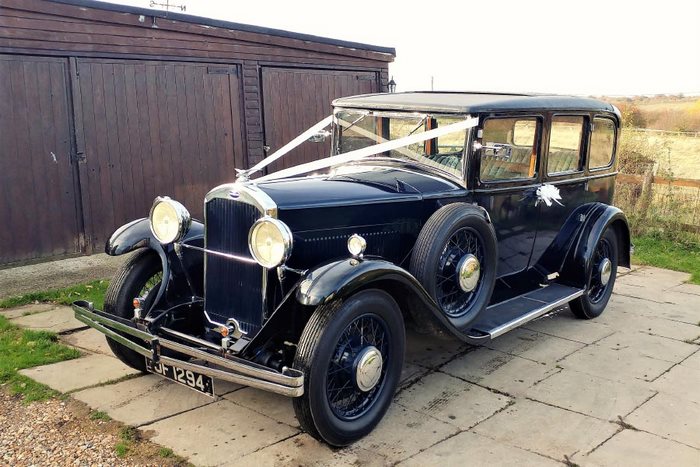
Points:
(25, 310)
(669, 417)
(403, 433)
(655, 278)
(640, 449)
(692, 289)
(80, 373)
(660, 348)
(272, 405)
(303, 450)
(471, 449)
(640, 291)
(91, 340)
(681, 381)
(546, 430)
(58, 320)
(565, 325)
(218, 433)
(618, 365)
(143, 400)
(663, 327)
(430, 351)
(693, 361)
(535, 345)
(497, 370)
(637, 311)
(452, 400)
(591, 395)
(411, 372)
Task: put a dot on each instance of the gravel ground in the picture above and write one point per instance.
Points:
(48, 432)
(57, 432)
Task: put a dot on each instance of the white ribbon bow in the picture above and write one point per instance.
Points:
(548, 194)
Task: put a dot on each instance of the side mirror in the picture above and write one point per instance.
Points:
(319, 137)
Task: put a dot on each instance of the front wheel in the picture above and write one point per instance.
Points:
(601, 278)
(139, 277)
(351, 353)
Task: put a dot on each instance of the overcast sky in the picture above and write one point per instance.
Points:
(593, 47)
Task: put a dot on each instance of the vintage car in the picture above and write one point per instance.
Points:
(461, 214)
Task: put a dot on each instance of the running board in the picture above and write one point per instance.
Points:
(502, 317)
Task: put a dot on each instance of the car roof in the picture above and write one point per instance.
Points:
(471, 102)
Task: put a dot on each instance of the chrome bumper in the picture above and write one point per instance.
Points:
(236, 370)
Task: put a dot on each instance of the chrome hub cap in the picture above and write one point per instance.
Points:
(605, 269)
(368, 368)
(468, 272)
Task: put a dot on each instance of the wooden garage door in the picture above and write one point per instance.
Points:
(37, 204)
(295, 99)
(154, 128)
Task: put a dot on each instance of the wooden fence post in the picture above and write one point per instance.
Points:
(647, 193)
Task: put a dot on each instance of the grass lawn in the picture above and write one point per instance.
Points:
(21, 348)
(92, 292)
(654, 251)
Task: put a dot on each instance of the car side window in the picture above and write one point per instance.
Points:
(602, 143)
(565, 144)
(509, 149)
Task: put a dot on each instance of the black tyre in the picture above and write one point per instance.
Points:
(601, 278)
(453, 236)
(347, 387)
(140, 276)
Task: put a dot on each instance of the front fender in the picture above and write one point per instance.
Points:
(181, 272)
(137, 234)
(340, 279)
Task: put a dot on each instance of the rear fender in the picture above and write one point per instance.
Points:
(579, 258)
(183, 269)
(340, 279)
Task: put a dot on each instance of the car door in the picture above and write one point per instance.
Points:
(564, 185)
(507, 177)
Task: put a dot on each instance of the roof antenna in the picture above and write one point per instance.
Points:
(167, 6)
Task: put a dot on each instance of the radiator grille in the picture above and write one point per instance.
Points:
(233, 289)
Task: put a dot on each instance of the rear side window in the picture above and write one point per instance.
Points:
(602, 143)
(565, 145)
(509, 149)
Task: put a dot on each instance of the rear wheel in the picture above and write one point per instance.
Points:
(351, 354)
(601, 278)
(139, 277)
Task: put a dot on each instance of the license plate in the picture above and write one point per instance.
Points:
(191, 379)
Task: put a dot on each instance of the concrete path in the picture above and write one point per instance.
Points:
(57, 274)
(623, 389)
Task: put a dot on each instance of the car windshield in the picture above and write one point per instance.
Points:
(356, 129)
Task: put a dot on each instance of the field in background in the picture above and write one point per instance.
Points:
(659, 182)
(668, 113)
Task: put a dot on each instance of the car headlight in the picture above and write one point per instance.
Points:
(169, 219)
(270, 242)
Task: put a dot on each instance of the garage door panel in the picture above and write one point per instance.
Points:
(154, 128)
(295, 99)
(36, 171)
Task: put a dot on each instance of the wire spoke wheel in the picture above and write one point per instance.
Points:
(351, 352)
(451, 298)
(345, 396)
(151, 284)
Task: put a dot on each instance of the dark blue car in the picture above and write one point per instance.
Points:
(460, 214)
